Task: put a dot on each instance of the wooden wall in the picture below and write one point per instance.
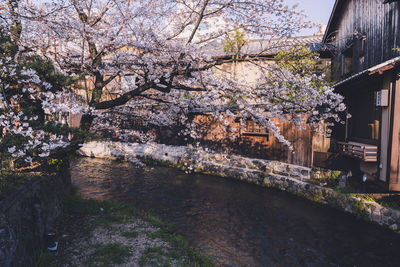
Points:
(380, 22)
(217, 136)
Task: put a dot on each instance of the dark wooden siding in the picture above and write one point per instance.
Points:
(215, 135)
(379, 22)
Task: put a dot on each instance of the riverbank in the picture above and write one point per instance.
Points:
(286, 177)
(103, 233)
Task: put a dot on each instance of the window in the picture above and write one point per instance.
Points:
(252, 128)
(347, 61)
(364, 125)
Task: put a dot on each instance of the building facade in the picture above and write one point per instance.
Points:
(362, 39)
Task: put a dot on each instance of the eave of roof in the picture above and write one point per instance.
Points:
(331, 19)
(380, 68)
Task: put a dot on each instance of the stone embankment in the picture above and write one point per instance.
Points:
(28, 215)
(283, 176)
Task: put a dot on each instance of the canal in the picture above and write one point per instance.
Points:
(241, 224)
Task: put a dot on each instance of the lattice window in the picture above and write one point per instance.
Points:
(252, 128)
(137, 122)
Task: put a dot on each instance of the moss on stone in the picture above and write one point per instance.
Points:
(316, 197)
(335, 174)
(341, 190)
(155, 162)
(358, 208)
(332, 201)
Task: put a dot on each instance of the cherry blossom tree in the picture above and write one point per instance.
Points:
(160, 48)
(20, 119)
(26, 99)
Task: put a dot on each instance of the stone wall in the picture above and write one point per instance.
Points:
(190, 158)
(27, 215)
(286, 177)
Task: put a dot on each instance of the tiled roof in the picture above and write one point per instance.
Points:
(265, 47)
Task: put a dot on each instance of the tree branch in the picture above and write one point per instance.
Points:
(124, 98)
(201, 15)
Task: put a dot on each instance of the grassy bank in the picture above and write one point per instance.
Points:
(103, 233)
(22, 173)
(11, 182)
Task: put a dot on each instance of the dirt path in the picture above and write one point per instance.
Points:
(102, 233)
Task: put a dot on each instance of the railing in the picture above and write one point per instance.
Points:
(252, 128)
(364, 152)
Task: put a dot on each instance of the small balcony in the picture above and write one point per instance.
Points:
(363, 152)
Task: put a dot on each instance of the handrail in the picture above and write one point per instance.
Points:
(364, 152)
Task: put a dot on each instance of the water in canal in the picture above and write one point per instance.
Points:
(241, 224)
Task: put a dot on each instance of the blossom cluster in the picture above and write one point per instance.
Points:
(20, 128)
(164, 45)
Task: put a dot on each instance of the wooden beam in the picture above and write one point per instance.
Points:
(394, 179)
(383, 69)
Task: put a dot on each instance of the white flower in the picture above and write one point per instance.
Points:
(341, 107)
(44, 154)
(20, 153)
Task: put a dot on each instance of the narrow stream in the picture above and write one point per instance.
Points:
(241, 224)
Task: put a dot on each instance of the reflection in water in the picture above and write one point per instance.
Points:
(241, 224)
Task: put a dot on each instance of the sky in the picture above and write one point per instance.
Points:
(317, 11)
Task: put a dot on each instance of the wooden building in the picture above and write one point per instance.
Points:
(255, 141)
(250, 139)
(364, 36)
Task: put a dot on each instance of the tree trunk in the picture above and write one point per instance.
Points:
(86, 122)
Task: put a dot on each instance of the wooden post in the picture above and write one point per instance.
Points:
(394, 179)
(385, 131)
